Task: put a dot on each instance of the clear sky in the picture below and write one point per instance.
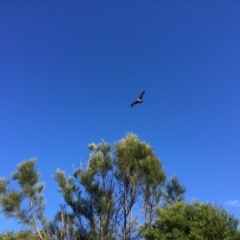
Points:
(69, 71)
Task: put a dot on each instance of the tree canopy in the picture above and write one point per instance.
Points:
(195, 221)
(31, 213)
(116, 195)
(121, 193)
(21, 235)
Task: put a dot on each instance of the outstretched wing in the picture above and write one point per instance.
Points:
(135, 102)
(141, 95)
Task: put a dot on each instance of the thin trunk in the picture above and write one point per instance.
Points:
(125, 217)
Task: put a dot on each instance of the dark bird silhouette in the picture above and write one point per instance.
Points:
(139, 100)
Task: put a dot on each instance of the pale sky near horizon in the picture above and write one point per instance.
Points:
(69, 71)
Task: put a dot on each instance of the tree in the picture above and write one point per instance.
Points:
(194, 221)
(62, 227)
(140, 179)
(174, 191)
(27, 204)
(117, 194)
(114, 197)
(90, 196)
(21, 235)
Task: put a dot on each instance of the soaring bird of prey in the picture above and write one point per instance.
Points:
(139, 100)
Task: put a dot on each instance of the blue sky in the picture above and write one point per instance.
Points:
(70, 69)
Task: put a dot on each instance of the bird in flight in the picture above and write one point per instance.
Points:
(139, 100)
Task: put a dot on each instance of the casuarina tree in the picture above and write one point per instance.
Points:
(116, 195)
(25, 205)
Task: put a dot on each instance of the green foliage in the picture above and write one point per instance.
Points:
(140, 179)
(27, 204)
(62, 227)
(138, 159)
(3, 186)
(90, 195)
(11, 204)
(174, 191)
(21, 235)
(114, 197)
(27, 176)
(194, 221)
(103, 196)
